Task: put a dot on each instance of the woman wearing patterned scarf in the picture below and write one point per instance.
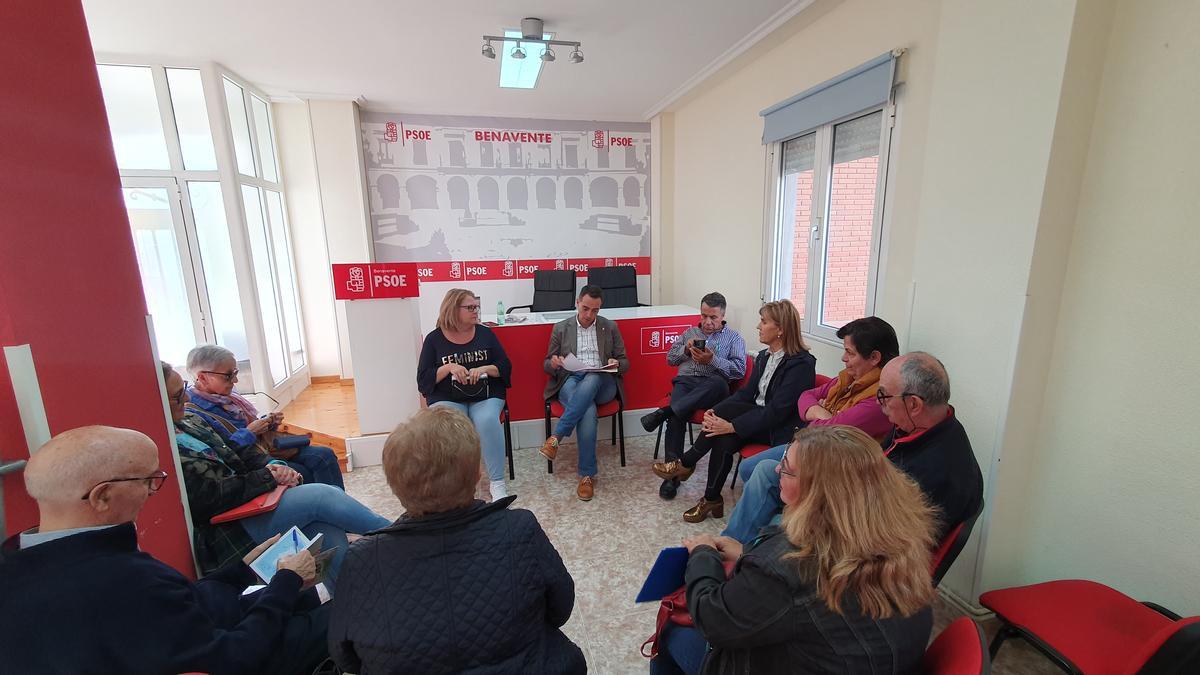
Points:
(214, 372)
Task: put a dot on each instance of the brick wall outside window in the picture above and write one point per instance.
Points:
(848, 245)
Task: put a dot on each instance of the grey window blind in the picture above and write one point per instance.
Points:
(850, 92)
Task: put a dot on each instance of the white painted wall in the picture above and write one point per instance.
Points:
(303, 191)
(1112, 490)
(324, 176)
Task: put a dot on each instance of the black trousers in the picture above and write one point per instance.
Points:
(690, 393)
(723, 447)
(303, 645)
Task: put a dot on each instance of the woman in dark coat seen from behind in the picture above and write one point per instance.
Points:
(455, 585)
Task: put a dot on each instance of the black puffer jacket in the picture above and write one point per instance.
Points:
(479, 590)
(767, 618)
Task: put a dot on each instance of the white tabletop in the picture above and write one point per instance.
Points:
(616, 314)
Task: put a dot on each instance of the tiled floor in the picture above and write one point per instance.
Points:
(609, 543)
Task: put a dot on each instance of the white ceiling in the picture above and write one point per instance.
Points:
(423, 57)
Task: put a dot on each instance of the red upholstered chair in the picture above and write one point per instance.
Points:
(614, 409)
(753, 449)
(1087, 627)
(951, 545)
(698, 416)
(960, 649)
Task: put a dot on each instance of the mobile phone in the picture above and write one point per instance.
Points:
(699, 344)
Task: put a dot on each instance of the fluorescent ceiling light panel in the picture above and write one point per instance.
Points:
(521, 73)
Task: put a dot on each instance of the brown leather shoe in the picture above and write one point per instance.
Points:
(704, 509)
(672, 470)
(586, 489)
(549, 449)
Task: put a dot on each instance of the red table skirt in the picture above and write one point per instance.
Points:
(646, 344)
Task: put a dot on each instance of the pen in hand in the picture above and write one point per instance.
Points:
(295, 542)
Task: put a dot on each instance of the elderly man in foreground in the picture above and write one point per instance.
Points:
(77, 596)
(927, 442)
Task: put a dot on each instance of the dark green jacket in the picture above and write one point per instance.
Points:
(216, 483)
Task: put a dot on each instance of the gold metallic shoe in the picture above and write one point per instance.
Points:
(673, 469)
(704, 509)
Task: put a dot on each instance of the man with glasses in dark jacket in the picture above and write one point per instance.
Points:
(927, 442)
(77, 596)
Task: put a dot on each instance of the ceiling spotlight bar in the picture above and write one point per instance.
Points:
(519, 40)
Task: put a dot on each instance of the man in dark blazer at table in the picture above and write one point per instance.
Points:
(595, 343)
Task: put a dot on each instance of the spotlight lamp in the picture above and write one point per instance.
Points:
(532, 31)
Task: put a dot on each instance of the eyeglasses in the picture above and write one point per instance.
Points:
(154, 482)
(882, 397)
(784, 468)
(181, 396)
(470, 308)
(228, 376)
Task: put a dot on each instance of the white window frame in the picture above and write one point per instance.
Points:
(212, 78)
(779, 236)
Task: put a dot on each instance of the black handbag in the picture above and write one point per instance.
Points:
(465, 392)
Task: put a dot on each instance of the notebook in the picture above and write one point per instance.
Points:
(666, 576)
(292, 541)
(260, 504)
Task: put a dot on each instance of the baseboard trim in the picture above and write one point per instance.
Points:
(332, 379)
(971, 609)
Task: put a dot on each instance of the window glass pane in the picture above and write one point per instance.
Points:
(161, 271)
(795, 213)
(266, 141)
(220, 279)
(264, 283)
(240, 127)
(133, 117)
(851, 219)
(191, 119)
(284, 272)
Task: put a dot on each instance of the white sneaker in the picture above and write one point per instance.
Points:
(498, 489)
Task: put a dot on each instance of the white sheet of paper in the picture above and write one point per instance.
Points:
(573, 364)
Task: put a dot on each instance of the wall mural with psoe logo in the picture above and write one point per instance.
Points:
(481, 198)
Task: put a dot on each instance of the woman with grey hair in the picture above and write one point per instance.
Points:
(214, 372)
(455, 585)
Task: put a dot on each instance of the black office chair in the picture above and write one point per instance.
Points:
(553, 290)
(619, 284)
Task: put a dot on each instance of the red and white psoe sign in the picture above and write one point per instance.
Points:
(373, 281)
(658, 339)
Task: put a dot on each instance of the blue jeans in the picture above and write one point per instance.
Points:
(760, 500)
(485, 415)
(680, 651)
(580, 395)
(318, 464)
(317, 508)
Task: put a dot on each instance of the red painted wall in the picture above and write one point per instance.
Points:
(69, 284)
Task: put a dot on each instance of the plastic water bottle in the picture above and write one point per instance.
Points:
(500, 312)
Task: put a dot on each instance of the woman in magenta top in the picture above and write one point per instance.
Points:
(849, 399)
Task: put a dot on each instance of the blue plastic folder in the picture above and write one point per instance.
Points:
(666, 576)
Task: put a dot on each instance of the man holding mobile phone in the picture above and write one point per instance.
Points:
(711, 357)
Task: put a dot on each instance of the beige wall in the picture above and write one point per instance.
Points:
(1112, 492)
(999, 176)
(713, 233)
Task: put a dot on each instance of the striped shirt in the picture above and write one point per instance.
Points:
(727, 346)
(588, 345)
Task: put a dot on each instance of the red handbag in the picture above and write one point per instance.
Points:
(673, 608)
